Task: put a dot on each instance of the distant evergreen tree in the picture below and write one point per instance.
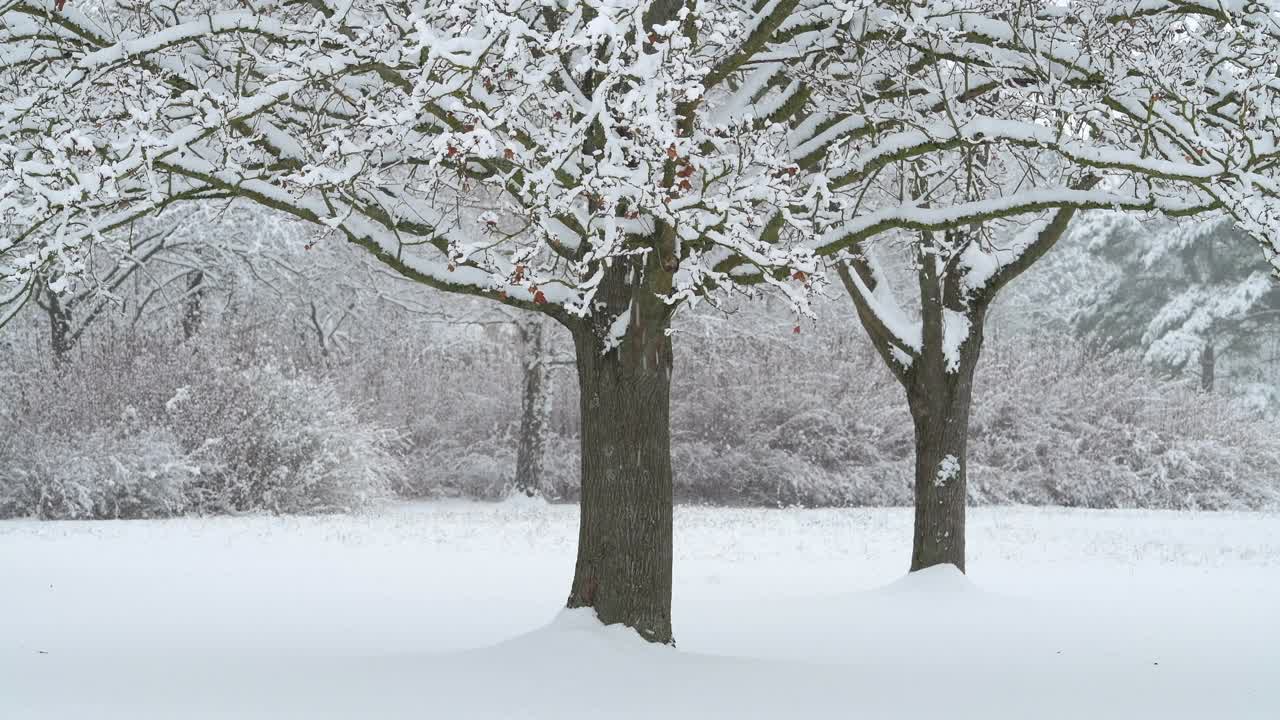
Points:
(1190, 296)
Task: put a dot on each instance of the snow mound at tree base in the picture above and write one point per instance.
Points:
(946, 578)
(573, 633)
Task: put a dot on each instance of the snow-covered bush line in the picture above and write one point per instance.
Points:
(814, 421)
(247, 419)
(1052, 424)
(141, 473)
(144, 429)
(1059, 426)
(282, 444)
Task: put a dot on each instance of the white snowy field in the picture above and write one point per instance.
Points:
(452, 611)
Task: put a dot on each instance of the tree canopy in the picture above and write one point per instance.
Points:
(514, 149)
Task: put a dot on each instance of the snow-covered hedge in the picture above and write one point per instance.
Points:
(1052, 425)
(147, 430)
(814, 420)
(1058, 426)
(282, 444)
(129, 474)
(768, 418)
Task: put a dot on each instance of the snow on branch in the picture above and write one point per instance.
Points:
(516, 149)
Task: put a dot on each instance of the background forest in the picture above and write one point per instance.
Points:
(230, 364)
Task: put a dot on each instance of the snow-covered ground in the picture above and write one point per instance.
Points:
(452, 611)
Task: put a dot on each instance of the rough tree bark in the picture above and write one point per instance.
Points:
(535, 406)
(940, 400)
(623, 568)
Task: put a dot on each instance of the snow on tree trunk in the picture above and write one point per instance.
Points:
(934, 358)
(623, 567)
(940, 403)
(535, 406)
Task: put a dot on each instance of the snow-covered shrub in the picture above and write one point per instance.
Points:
(828, 439)
(483, 468)
(457, 406)
(758, 475)
(777, 419)
(263, 439)
(1055, 424)
(760, 416)
(102, 475)
(480, 469)
(283, 444)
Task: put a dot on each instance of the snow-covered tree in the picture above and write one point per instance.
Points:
(167, 262)
(72, 305)
(589, 161)
(1191, 296)
(1008, 123)
(606, 162)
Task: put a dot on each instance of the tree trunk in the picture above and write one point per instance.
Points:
(535, 407)
(192, 311)
(623, 567)
(59, 328)
(1208, 363)
(940, 402)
